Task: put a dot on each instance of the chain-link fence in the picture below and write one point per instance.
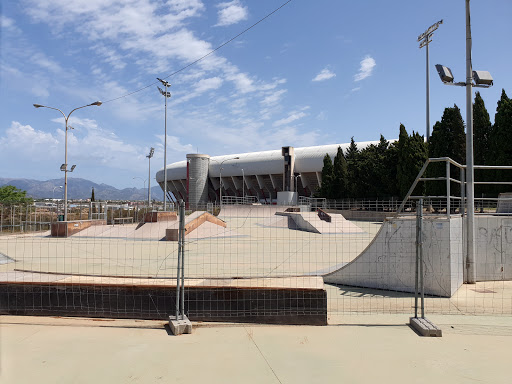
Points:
(244, 261)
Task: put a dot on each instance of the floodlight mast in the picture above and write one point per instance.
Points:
(165, 94)
(424, 39)
(64, 167)
(482, 80)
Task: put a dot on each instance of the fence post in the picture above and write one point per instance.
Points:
(448, 191)
(180, 324)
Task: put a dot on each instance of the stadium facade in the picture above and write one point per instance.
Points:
(262, 175)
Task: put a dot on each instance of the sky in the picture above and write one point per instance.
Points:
(312, 73)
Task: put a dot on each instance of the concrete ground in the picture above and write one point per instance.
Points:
(352, 349)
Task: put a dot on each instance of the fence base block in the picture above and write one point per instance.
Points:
(425, 327)
(180, 326)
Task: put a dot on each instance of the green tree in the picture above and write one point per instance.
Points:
(482, 131)
(501, 139)
(9, 194)
(448, 140)
(340, 174)
(411, 155)
(352, 169)
(326, 190)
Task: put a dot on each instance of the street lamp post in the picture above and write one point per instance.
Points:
(424, 39)
(64, 166)
(166, 95)
(149, 156)
(53, 197)
(481, 79)
(243, 185)
(296, 177)
(220, 175)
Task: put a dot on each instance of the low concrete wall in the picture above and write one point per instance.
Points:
(352, 214)
(171, 234)
(153, 217)
(493, 254)
(68, 228)
(293, 305)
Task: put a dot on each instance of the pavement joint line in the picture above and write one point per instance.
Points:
(262, 355)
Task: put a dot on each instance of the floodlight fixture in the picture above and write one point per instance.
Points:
(72, 168)
(63, 167)
(482, 78)
(164, 83)
(445, 73)
(164, 93)
(425, 36)
(97, 103)
(151, 152)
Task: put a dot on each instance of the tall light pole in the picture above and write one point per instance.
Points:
(166, 95)
(149, 156)
(220, 175)
(243, 184)
(64, 166)
(482, 79)
(296, 177)
(424, 39)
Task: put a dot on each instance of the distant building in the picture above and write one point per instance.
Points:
(263, 174)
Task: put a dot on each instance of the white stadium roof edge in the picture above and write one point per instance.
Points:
(258, 174)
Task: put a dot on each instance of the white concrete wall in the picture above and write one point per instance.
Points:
(389, 261)
(493, 238)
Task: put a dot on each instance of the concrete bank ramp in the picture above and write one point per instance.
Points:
(148, 231)
(193, 222)
(311, 222)
(250, 211)
(389, 260)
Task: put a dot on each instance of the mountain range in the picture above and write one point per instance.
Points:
(80, 189)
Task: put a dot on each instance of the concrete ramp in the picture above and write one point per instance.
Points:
(148, 231)
(193, 222)
(253, 211)
(389, 260)
(311, 222)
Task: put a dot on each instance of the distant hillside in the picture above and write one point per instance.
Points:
(80, 189)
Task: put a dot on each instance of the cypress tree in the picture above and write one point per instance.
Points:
(481, 142)
(326, 190)
(411, 154)
(340, 171)
(502, 139)
(352, 169)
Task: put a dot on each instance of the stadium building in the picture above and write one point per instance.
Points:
(256, 176)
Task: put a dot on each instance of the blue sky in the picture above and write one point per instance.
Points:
(315, 72)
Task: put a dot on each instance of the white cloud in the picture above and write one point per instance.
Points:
(296, 115)
(204, 85)
(355, 89)
(325, 74)
(231, 13)
(366, 68)
(24, 138)
(174, 144)
(273, 98)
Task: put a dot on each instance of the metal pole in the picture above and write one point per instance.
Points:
(470, 191)
(182, 235)
(66, 173)
(243, 185)
(418, 208)
(179, 264)
(220, 184)
(165, 153)
(428, 96)
(420, 246)
(149, 183)
(448, 190)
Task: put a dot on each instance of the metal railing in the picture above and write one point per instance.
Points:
(449, 201)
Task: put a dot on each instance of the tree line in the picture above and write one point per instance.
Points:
(386, 170)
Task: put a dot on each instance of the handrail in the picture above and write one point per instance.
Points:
(449, 180)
